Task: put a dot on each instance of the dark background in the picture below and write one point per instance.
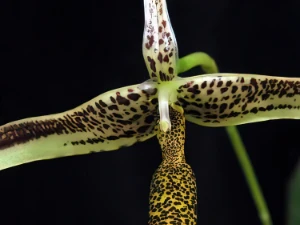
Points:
(59, 54)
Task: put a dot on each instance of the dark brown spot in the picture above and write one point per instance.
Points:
(135, 117)
(102, 103)
(133, 109)
(166, 58)
(223, 90)
(214, 106)
(210, 91)
(113, 100)
(237, 101)
(204, 84)
(228, 83)
(117, 115)
(159, 57)
(149, 119)
(133, 96)
(144, 108)
(98, 105)
(234, 89)
(113, 107)
(223, 107)
(220, 83)
(143, 129)
(152, 64)
(231, 105)
(124, 122)
(150, 41)
(244, 88)
(122, 101)
(91, 109)
(244, 107)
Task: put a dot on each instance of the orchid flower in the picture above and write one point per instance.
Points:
(158, 106)
(126, 115)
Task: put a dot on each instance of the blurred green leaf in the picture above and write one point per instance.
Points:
(294, 198)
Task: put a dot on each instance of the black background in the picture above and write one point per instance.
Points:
(59, 54)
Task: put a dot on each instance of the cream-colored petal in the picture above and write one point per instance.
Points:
(232, 99)
(112, 120)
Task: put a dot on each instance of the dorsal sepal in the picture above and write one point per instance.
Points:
(159, 43)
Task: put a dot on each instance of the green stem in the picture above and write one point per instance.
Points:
(209, 66)
(202, 59)
(249, 173)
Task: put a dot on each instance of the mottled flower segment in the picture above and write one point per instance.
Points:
(110, 121)
(173, 191)
(159, 43)
(160, 53)
(233, 99)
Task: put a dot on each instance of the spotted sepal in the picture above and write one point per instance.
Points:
(232, 99)
(159, 43)
(110, 121)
